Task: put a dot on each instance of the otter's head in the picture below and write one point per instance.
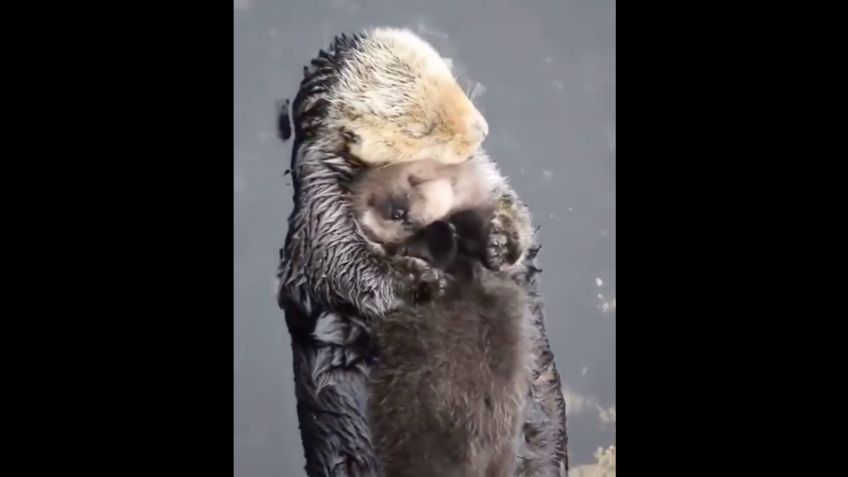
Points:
(392, 203)
(396, 100)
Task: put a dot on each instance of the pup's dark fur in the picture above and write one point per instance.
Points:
(451, 374)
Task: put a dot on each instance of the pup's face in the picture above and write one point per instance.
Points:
(392, 215)
(393, 202)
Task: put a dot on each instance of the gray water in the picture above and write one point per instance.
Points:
(543, 73)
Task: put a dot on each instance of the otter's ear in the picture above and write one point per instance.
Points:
(424, 172)
(416, 180)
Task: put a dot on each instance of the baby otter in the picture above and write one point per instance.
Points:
(451, 373)
(392, 202)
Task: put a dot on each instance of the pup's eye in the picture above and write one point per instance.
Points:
(398, 213)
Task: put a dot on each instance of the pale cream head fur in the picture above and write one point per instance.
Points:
(397, 100)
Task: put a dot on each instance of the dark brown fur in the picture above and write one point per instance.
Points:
(451, 373)
(448, 386)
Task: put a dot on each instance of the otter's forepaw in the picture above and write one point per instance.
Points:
(505, 245)
(412, 267)
(424, 281)
(433, 283)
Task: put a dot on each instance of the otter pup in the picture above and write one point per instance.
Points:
(451, 373)
(392, 202)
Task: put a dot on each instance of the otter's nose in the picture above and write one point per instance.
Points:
(480, 128)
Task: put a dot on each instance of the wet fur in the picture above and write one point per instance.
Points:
(333, 282)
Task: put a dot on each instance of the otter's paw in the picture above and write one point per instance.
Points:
(505, 245)
(430, 284)
(411, 266)
(423, 280)
(433, 282)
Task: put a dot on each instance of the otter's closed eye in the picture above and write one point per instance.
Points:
(420, 130)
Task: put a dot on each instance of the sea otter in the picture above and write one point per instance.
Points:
(375, 98)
